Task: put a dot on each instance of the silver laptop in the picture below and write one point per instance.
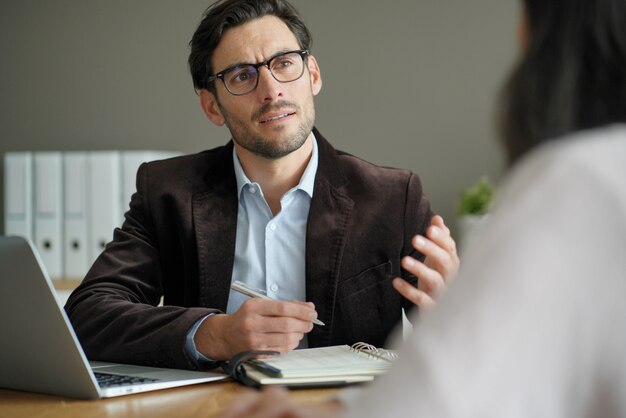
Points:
(39, 351)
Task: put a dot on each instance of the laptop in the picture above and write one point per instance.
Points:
(40, 352)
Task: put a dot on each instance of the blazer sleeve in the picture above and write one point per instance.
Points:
(115, 311)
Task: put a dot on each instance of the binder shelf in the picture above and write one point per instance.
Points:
(69, 202)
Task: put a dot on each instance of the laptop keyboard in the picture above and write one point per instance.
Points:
(106, 380)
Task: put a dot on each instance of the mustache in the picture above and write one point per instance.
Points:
(268, 107)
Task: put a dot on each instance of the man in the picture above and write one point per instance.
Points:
(277, 208)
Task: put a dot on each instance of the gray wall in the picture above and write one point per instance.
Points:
(407, 83)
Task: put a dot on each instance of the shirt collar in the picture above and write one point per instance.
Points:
(307, 181)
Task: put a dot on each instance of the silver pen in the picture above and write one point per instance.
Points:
(240, 287)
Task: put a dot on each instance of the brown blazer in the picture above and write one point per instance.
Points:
(178, 242)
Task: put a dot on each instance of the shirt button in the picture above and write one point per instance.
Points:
(274, 287)
(252, 190)
(273, 226)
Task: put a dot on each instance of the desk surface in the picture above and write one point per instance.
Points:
(203, 400)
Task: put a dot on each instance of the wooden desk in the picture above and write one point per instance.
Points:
(203, 400)
(66, 284)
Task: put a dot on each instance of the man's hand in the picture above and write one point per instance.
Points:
(258, 325)
(275, 403)
(440, 265)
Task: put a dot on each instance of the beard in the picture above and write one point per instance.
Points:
(282, 145)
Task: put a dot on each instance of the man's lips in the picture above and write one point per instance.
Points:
(274, 116)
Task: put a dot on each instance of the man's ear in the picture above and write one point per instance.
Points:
(314, 73)
(211, 109)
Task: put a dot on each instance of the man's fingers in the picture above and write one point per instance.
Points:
(283, 343)
(441, 262)
(281, 324)
(303, 311)
(441, 237)
(438, 221)
(429, 280)
(428, 247)
(309, 304)
(263, 316)
(437, 258)
(416, 296)
(439, 234)
(272, 341)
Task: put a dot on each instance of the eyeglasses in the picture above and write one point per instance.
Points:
(244, 78)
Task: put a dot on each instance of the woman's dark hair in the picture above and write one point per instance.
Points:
(225, 14)
(572, 75)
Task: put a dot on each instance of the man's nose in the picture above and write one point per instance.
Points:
(268, 88)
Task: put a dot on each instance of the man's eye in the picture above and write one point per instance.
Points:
(241, 76)
(283, 63)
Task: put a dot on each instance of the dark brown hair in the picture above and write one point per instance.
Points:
(572, 75)
(225, 14)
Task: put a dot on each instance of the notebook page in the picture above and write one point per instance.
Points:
(327, 361)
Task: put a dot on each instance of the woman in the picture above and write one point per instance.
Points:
(536, 325)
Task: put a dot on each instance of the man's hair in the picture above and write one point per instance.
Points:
(225, 14)
(572, 75)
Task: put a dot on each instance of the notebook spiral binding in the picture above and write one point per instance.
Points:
(373, 351)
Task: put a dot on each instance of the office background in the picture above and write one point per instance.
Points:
(407, 83)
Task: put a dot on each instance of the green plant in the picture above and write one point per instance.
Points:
(476, 199)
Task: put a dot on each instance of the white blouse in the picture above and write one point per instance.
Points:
(535, 324)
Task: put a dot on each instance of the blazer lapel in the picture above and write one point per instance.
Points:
(215, 223)
(328, 221)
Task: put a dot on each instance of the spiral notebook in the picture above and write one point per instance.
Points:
(324, 366)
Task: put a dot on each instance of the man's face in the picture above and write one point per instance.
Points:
(276, 118)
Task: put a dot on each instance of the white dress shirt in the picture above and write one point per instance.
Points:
(269, 250)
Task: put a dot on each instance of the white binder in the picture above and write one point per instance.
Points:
(48, 213)
(18, 194)
(104, 197)
(75, 215)
(131, 160)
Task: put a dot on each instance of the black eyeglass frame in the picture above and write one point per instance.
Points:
(304, 53)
